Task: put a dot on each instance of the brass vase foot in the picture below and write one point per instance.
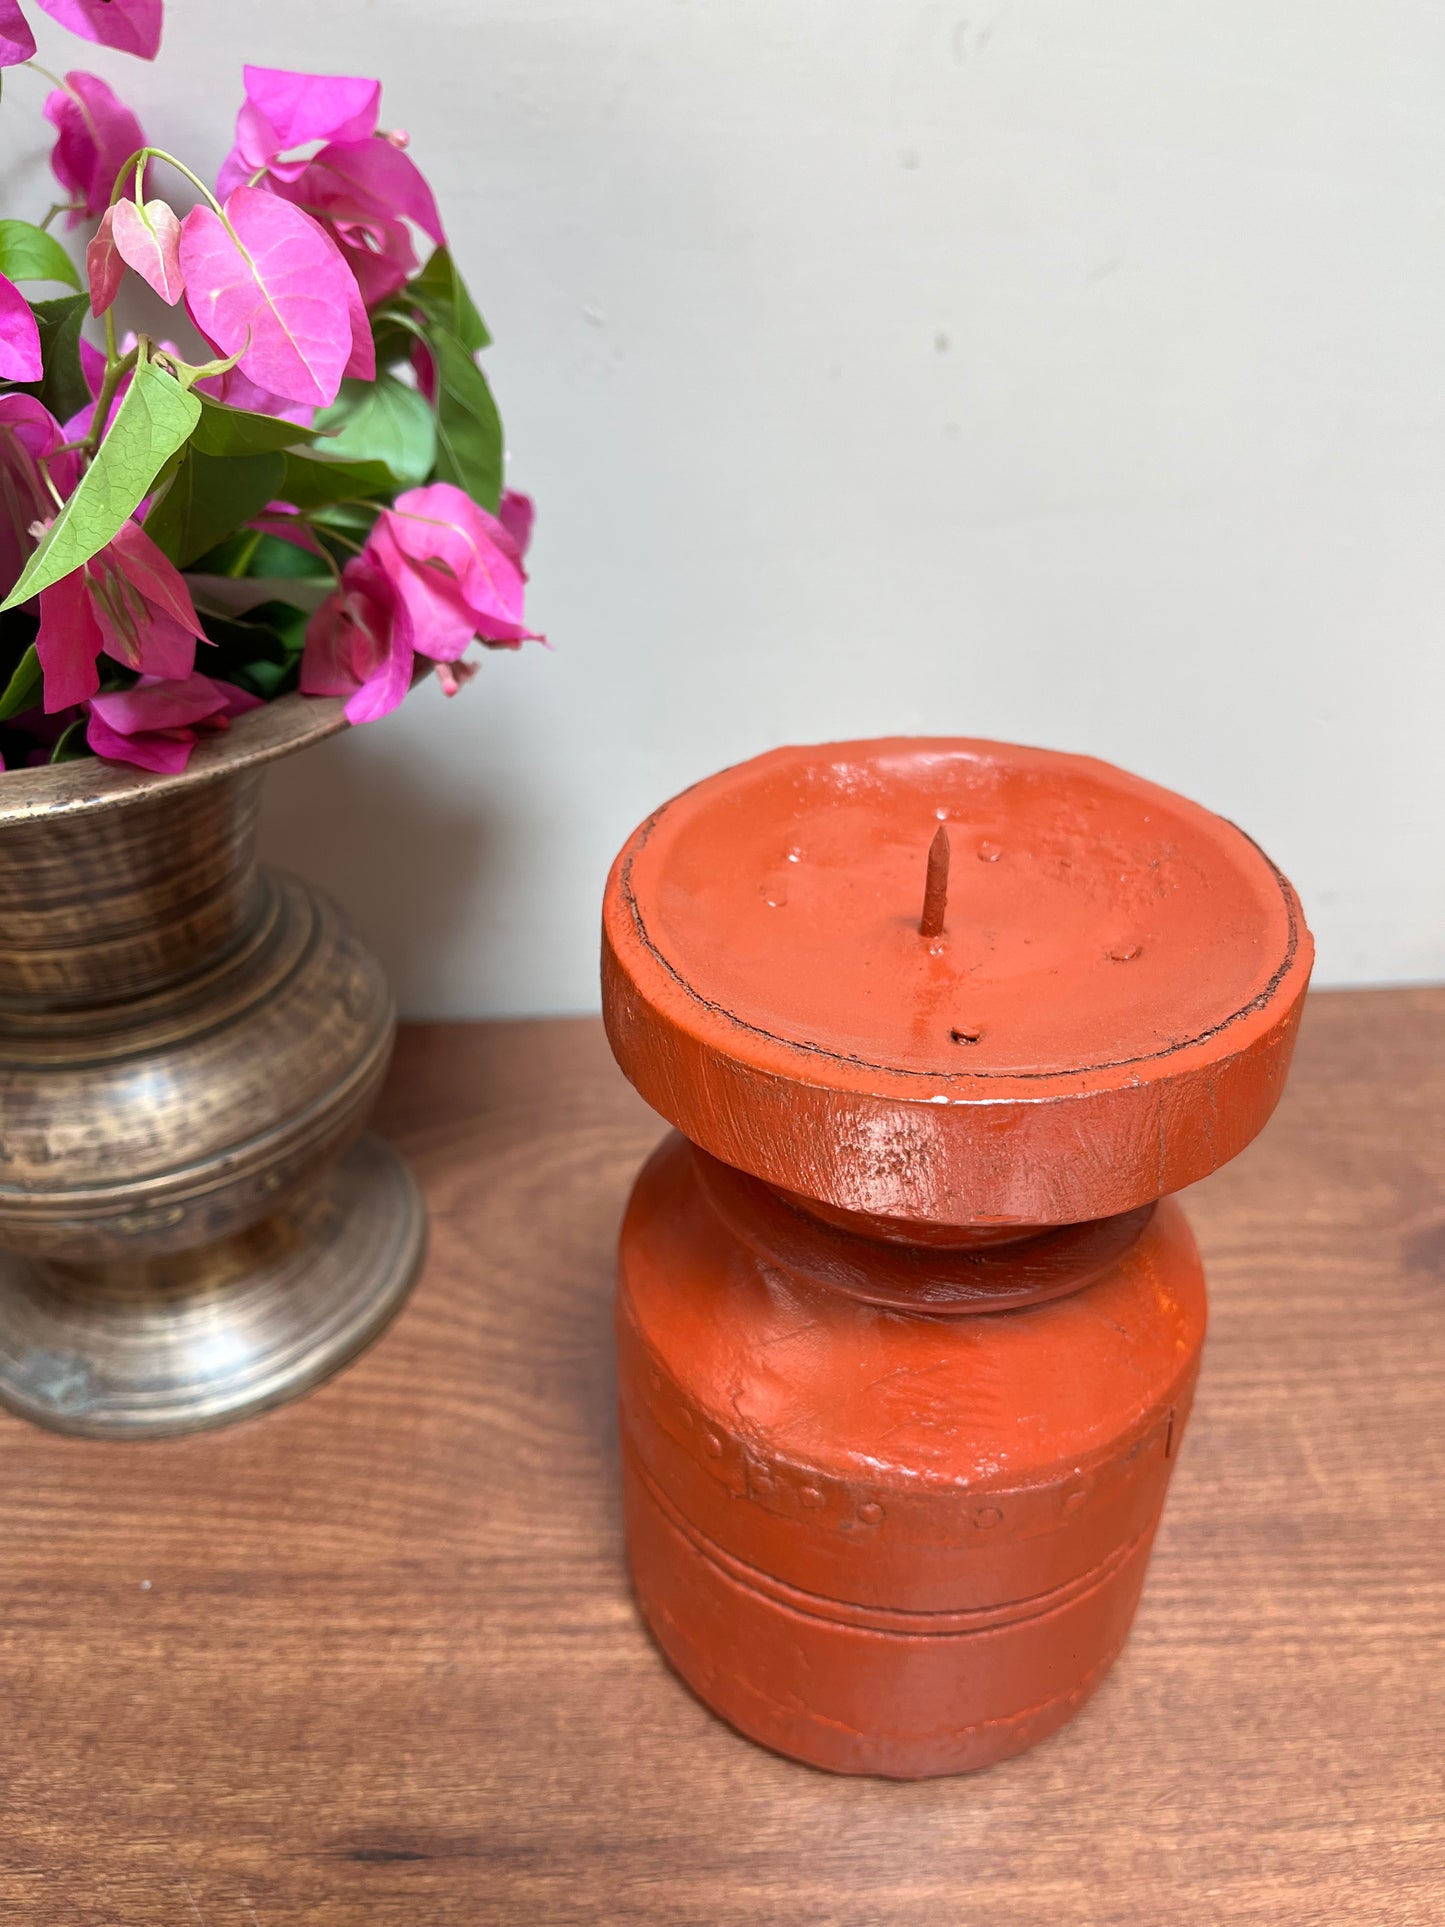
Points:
(145, 1347)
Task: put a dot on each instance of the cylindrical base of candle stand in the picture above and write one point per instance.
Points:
(888, 1541)
(902, 1695)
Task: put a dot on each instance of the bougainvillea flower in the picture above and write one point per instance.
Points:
(19, 336)
(439, 622)
(516, 514)
(92, 363)
(128, 601)
(17, 43)
(366, 181)
(27, 426)
(132, 25)
(104, 268)
(360, 185)
(361, 362)
(148, 239)
(30, 438)
(436, 573)
(144, 238)
(424, 367)
(380, 254)
(96, 134)
(359, 644)
(156, 724)
(283, 110)
(273, 288)
(455, 675)
(365, 192)
(463, 575)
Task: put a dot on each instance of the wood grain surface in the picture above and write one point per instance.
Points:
(372, 1658)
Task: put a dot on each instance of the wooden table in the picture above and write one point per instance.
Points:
(372, 1659)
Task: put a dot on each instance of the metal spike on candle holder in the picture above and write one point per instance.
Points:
(935, 888)
(908, 1333)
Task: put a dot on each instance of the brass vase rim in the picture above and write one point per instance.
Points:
(259, 736)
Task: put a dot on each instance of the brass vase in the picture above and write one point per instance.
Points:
(193, 1225)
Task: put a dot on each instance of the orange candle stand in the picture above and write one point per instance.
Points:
(908, 1323)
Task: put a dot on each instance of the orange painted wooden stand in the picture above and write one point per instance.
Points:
(908, 1324)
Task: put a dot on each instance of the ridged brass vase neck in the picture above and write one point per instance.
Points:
(108, 904)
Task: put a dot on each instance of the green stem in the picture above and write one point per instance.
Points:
(65, 88)
(136, 162)
(115, 374)
(188, 375)
(45, 74)
(321, 529)
(329, 559)
(402, 320)
(321, 549)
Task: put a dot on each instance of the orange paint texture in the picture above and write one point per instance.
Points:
(907, 1338)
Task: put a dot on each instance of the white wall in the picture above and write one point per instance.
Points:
(1063, 370)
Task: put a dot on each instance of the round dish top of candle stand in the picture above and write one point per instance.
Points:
(1105, 1015)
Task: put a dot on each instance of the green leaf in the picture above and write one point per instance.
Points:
(72, 744)
(62, 387)
(441, 294)
(276, 558)
(155, 418)
(22, 692)
(231, 557)
(238, 638)
(259, 649)
(30, 254)
(352, 520)
(228, 597)
(236, 431)
(267, 680)
(382, 421)
(287, 622)
(209, 498)
(469, 429)
(310, 483)
(392, 339)
(168, 468)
